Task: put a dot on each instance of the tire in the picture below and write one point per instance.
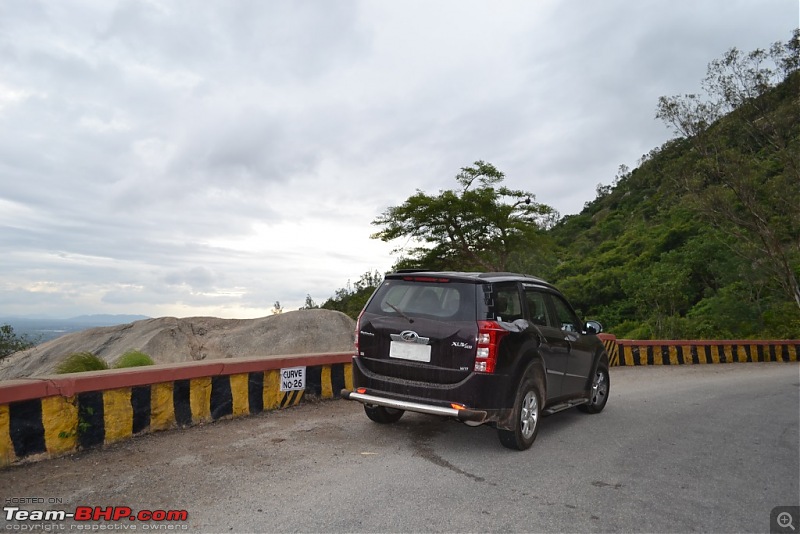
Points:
(598, 391)
(383, 415)
(527, 415)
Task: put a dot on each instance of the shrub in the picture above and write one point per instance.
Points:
(79, 362)
(631, 330)
(10, 342)
(133, 358)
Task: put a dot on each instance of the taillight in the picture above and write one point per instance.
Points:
(358, 329)
(489, 335)
(426, 279)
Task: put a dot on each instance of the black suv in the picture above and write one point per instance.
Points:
(498, 348)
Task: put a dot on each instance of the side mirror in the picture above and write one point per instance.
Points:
(593, 327)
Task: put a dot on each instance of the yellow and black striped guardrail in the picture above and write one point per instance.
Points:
(626, 352)
(610, 343)
(56, 415)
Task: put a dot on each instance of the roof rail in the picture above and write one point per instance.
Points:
(503, 273)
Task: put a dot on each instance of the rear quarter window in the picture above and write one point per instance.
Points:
(451, 301)
(507, 305)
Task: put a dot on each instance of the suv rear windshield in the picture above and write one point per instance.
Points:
(446, 301)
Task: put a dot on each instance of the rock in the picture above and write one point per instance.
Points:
(170, 340)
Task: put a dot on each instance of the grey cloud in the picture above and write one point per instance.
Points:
(197, 278)
(158, 153)
(32, 301)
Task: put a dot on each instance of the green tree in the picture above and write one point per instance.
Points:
(743, 173)
(351, 299)
(310, 304)
(660, 295)
(10, 342)
(481, 225)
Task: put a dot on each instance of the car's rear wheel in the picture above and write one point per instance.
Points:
(527, 413)
(383, 415)
(598, 392)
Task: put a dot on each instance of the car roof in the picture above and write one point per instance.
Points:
(474, 277)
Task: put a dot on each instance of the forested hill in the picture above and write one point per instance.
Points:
(702, 240)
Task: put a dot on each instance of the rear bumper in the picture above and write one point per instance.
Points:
(465, 414)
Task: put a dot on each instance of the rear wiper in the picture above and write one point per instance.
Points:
(398, 310)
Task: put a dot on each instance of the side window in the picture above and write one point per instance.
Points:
(507, 305)
(537, 308)
(566, 318)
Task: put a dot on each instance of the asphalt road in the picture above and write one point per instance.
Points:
(709, 448)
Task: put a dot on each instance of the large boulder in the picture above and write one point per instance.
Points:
(170, 340)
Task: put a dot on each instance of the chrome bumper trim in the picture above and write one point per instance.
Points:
(462, 415)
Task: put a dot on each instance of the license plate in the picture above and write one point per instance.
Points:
(410, 351)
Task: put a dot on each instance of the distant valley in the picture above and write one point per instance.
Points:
(40, 329)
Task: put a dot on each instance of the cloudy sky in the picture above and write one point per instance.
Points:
(209, 158)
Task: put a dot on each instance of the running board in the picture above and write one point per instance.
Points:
(564, 406)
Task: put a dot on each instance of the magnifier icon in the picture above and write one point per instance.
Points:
(785, 520)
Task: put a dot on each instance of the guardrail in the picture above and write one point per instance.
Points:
(54, 415)
(627, 352)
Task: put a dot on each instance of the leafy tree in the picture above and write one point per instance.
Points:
(743, 173)
(481, 225)
(10, 342)
(351, 299)
(660, 295)
(310, 304)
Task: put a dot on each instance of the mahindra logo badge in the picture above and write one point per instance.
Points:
(409, 335)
